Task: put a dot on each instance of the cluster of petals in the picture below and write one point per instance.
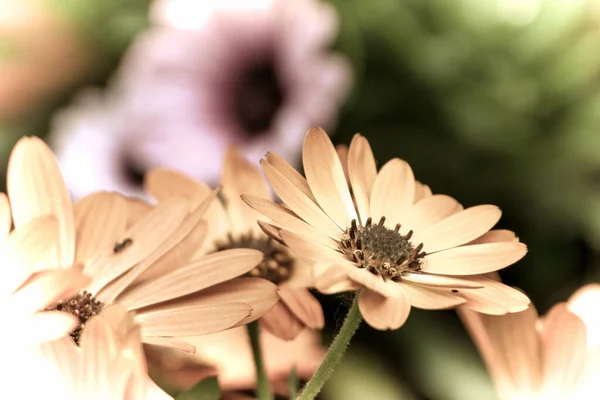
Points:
(553, 357)
(460, 245)
(230, 219)
(138, 255)
(109, 364)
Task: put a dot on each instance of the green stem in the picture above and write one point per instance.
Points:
(335, 353)
(263, 388)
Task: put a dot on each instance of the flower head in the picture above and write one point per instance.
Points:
(551, 357)
(109, 364)
(233, 225)
(387, 235)
(139, 256)
(183, 96)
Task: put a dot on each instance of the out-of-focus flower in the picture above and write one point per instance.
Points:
(110, 363)
(390, 237)
(230, 354)
(90, 141)
(551, 357)
(233, 225)
(119, 242)
(40, 52)
(253, 77)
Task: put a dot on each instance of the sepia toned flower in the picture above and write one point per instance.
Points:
(109, 364)
(183, 95)
(551, 357)
(233, 225)
(386, 235)
(122, 242)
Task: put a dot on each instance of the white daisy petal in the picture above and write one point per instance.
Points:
(362, 172)
(384, 312)
(459, 228)
(474, 259)
(393, 192)
(325, 176)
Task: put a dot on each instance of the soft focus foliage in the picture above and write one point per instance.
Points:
(496, 102)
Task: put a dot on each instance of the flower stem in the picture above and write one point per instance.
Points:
(335, 353)
(263, 389)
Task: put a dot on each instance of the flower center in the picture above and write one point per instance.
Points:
(83, 305)
(258, 95)
(382, 251)
(277, 263)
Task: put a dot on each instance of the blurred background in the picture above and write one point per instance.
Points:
(490, 101)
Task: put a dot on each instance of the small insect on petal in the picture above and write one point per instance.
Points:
(120, 246)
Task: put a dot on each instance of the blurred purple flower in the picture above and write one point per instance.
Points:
(256, 76)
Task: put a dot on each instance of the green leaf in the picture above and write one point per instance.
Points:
(207, 389)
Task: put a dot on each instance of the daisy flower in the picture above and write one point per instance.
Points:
(118, 240)
(384, 234)
(247, 76)
(233, 225)
(551, 357)
(109, 364)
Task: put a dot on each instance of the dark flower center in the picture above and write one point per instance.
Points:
(382, 251)
(83, 305)
(277, 263)
(258, 95)
(132, 171)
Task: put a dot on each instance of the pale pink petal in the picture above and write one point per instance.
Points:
(494, 298)
(585, 303)
(238, 177)
(200, 274)
(459, 228)
(5, 216)
(299, 203)
(308, 250)
(325, 176)
(373, 282)
(29, 248)
(280, 321)
(510, 347)
(440, 281)
(428, 298)
(145, 237)
(342, 152)
(421, 191)
(384, 312)
(100, 220)
(430, 211)
(393, 192)
(36, 187)
(164, 183)
(286, 219)
(290, 174)
(192, 320)
(496, 235)
(564, 342)
(331, 276)
(362, 171)
(303, 305)
(474, 259)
